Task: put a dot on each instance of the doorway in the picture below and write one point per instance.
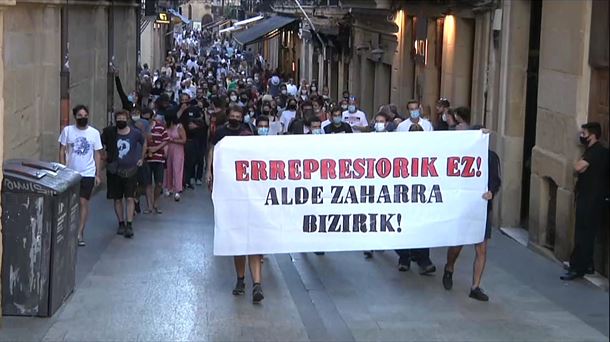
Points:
(531, 106)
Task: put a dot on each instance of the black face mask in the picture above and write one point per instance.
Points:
(82, 122)
(234, 123)
(292, 106)
(584, 141)
(121, 124)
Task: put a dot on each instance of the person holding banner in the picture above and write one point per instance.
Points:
(493, 184)
(235, 127)
(415, 117)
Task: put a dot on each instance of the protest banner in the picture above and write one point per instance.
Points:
(345, 192)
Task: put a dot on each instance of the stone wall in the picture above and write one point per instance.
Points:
(32, 41)
(563, 95)
(31, 81)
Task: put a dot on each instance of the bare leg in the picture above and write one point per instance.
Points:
(255, 267)
(150, 197)
(240, 265)
(158, 191)
(130, 209)
(118, 210)
(452, 254)
(84, 213)
(479, 263)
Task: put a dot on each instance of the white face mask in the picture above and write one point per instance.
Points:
(444, 117)
(379, 126)
(233, 98)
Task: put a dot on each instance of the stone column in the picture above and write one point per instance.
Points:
(511, 107)
(563, 99)
(456, 68)
(402, 66)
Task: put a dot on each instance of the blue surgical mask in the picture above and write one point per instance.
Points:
(130, 98)
(316, 131)
(414, 114)
(263, 130)
(351, 108)
(247, 118)
(337, 119)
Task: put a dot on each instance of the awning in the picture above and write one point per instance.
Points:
(263, 29)
(177, 14)
(215, 23)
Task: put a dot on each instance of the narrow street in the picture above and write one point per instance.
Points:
(165, 284)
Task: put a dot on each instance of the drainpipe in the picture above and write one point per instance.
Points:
(64, 73)
(111, 65)
(313, 28)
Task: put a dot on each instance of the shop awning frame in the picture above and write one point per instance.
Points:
(177, 14)
(264, 29)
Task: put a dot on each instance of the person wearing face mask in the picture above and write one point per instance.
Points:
(288, 114)
(315, 126)
(337, 124)
(444, 117)
(262, 125)
(493, 184)
(303, 96)
(291, 88)
(283, 97)
(355, 117)
(173, 179)
(313, 90)
(346, 95)
(80, 150)
(462, 117)
(414, 117)
(233, 98)
(193, 122)
(126, 150)
(301, 123)
(592, 198)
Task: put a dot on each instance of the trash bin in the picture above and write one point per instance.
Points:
(40, 217)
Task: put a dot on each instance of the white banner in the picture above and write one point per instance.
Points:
(346, 192)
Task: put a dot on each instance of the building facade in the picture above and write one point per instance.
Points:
(531, 71)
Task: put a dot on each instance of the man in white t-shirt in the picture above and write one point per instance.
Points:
(355, 117)
(414, 118)
(288, 114)
(80, 147)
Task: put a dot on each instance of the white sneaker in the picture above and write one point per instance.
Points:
(177, 197)
(167, 193)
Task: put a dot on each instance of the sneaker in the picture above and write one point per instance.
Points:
(257, 294)
(167, 193)
(447, 280)
(81, 243)
(427, 270)
(477, 293)
(121, 230)
(404, 265)
(368, 254)
(199, 182)
(128, 231)
(240, 287)
(177, 197)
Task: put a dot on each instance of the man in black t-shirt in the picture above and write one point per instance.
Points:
(591, 199)
(235, 127)
(337, 125)
(192, 120)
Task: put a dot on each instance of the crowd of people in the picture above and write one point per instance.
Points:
(163, 138)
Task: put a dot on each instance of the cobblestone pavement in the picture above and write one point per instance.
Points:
(165, 284)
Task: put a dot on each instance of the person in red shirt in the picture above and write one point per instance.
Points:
(155, 156)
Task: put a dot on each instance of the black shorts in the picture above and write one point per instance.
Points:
(121, 187)
(86, 187)
(144, 177)
(157, 172)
